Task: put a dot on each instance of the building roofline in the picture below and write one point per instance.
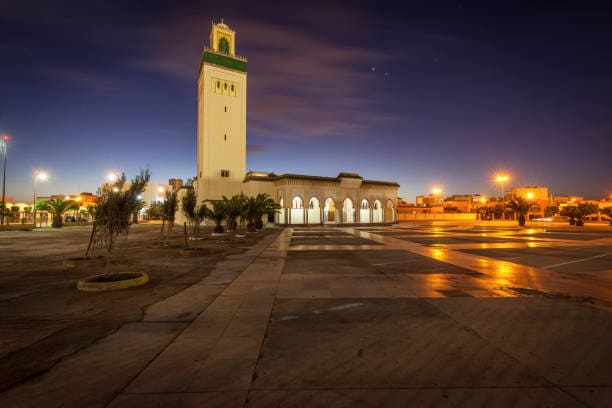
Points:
(260, 176)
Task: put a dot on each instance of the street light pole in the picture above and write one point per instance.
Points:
(43, 176)
(36, 173)
(5, 140)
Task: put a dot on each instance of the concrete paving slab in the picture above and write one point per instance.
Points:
(95, 375)
(381, 343)
(185, 305)
(600, 397)
(17, 334)
(407, 398)
(364, 262)
(566, 342)
(232, 399)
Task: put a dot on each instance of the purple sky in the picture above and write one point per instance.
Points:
(435, 93)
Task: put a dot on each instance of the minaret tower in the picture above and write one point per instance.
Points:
(222, 92)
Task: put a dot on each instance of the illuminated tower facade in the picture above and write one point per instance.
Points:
(222, 93)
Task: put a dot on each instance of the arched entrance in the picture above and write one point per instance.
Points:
(389, 212)
(329, 211)
(314, 211)
(364, 212)
(297, 211)
(348, 211)
(377, 212)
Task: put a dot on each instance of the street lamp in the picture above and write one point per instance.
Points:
(5, 139)
(501, 179)
(42, 176)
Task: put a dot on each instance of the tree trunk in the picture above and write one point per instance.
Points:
(57, 221)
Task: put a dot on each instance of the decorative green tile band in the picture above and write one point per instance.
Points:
(224, 61)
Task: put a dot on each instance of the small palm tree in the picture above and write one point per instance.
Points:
(608, 211)
(252, 208)
(570, 212)
(234, 208)
(57, 207)
(266, 206)
(193, 212)
(583, 210)
(218, 213)
(520, 207)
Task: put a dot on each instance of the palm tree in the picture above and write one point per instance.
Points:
(608, 211)
(217, 213)
(57, 207)
(234, 208)
(571, 213)
(583, 210)
(266, 205)
(195, 213)
(252, 208)
(521, 207)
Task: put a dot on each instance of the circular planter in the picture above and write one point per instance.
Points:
(121, 280)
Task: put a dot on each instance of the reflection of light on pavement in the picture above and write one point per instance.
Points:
(532, 244)
(484, 246)
(438, 254)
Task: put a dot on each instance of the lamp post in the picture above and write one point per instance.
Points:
(5, 140)
(37, 175)
(501, 179)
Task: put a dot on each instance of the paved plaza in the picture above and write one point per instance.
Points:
(445, 315)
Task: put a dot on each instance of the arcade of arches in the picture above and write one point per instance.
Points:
(312, 200)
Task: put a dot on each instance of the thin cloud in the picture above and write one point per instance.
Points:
(84, 79)
(256, 148)
(300, 85)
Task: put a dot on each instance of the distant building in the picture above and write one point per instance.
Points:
(530, 193)
(428, 200)
(176, 184)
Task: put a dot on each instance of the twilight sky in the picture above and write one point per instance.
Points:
(432, 93)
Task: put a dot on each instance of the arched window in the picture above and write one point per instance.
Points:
(313, 203)
(224, 46)
(365, 204)
(297, 202)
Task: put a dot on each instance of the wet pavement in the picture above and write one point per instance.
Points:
(409, 315)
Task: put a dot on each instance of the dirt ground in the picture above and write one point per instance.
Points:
(44, 318)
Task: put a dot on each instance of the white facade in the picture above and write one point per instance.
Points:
(222, 92)
(221, 154)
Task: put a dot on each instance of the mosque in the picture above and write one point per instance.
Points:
(221, 154)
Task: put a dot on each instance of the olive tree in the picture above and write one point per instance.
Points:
(113, 213)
